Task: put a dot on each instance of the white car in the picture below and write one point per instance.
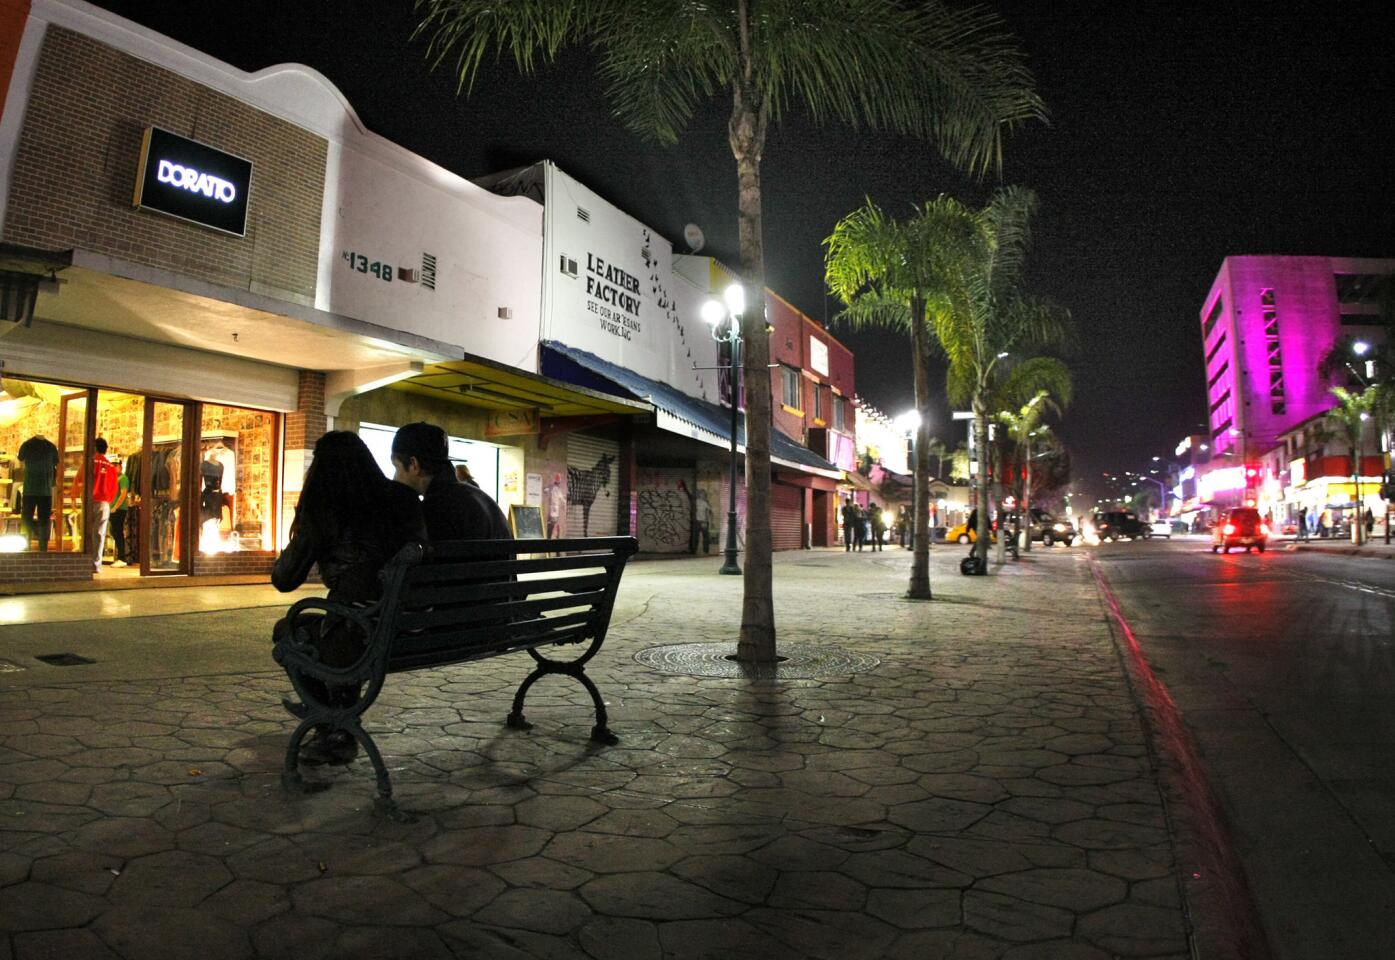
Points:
(1160, 528)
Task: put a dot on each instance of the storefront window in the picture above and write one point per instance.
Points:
(49, 436)
(42, 428)
(235, 479)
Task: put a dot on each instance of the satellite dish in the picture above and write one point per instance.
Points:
(692, 236)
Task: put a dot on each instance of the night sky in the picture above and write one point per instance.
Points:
(1177, 137)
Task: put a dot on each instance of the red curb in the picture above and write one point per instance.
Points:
(1221, 914)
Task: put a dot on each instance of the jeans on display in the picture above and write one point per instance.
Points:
(37, 517)
(101, 520)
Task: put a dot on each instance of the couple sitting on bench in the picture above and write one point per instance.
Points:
(352, 520)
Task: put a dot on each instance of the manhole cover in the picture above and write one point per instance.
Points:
(801, 661)
(8, 667)
(63, 659)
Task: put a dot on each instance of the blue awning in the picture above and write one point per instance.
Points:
(675, 410)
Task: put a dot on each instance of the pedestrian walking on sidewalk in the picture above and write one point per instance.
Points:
(849, 523)
(1370, 523)
(859, 527)
(878, 528)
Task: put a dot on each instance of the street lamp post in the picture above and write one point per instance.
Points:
(909, 425)
(1162, 490)
(717, 313)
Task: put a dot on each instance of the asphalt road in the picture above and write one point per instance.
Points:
(1282, 665)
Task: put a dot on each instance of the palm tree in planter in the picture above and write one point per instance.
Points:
(990, 323)
(892, 273)
(1347, 421)
(1027, 431)
(950, 75)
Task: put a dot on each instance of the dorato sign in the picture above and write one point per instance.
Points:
(194, 182)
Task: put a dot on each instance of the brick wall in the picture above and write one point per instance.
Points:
(308, 422)
(305, 425)
(36, 567)
(245, 562)
(75, 171)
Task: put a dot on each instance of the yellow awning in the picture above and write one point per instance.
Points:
(494, 386)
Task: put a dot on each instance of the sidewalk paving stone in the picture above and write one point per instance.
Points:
(983, 791)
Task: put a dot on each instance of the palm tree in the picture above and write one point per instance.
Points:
(886, 272)
(952, 76)
(938, 449)
(1024, 427)
(1348, 421)
(988, 322)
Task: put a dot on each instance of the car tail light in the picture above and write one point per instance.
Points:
(1228, 529)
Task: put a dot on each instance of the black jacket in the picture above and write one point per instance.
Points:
(350, 560)
(461, 511)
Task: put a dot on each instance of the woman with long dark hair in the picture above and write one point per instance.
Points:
(351, 520)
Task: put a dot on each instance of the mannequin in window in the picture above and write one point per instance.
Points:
(40, 459)
(225, 460)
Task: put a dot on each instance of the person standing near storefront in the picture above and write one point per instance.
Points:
(849, 523)
(878, 518)
(40, 459)
(453, 510)
(105, 482)
(120, 505)
(556, 508)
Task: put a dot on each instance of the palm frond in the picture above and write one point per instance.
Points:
(661, 59)
(1032, 376)
(951, 75)
(873, 308)
(525, 30)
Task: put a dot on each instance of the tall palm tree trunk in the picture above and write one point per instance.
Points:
(984, 504)
(747, 135)
(919, 588)
(1024, 509)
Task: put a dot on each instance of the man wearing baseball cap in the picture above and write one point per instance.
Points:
(454, 510)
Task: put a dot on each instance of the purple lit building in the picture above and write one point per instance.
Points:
(1266, 323)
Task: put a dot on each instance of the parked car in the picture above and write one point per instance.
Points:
(1160, 528)
(1240, 527)
(1113, 524)
(1047, 529)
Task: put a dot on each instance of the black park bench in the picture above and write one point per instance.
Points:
(450, 603)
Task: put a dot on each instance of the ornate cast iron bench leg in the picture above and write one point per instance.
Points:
(600, 733)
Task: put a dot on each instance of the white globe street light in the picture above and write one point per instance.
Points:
(717, 314)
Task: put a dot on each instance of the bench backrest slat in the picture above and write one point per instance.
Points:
(494, 569)
(496, 549)
(449, 654)
(478, 642)
(438, 593)
(499, 613)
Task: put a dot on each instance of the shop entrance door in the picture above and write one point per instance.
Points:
(164, 525)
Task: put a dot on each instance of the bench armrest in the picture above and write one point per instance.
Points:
(294, 649)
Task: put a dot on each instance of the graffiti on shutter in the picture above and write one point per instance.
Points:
(666, 509)
(592, 486)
